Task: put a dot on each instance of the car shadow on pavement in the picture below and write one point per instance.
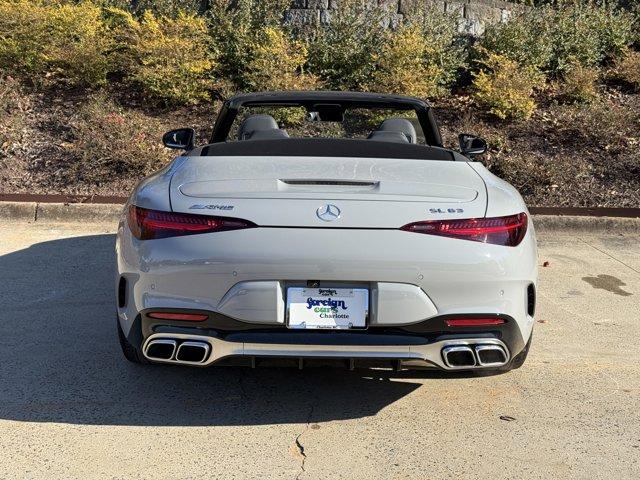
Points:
(60, 360)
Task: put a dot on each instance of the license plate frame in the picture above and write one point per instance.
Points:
(327, 308)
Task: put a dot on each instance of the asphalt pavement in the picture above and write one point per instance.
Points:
(72, 407)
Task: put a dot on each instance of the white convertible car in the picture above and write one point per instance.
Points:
(352, 235)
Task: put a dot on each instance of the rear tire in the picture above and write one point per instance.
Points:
(130, 352)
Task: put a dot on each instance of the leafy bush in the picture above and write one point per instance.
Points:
(627, 69)
(505, 89)
(277, 63)
(579, 84)
(446, 48)
(342, 52)
(524, 38)
(168, 58)
(56, 41)
(552, 39)
(233, 28)
(104, 133)
(403, 65)
(166, 8)
(421, 57)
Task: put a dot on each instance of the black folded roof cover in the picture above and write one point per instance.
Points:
(325, 147)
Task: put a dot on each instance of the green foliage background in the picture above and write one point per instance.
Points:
(173, 53)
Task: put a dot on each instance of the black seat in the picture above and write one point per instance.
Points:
(400, 125)
(260, 127)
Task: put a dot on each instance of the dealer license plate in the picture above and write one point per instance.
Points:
(327, 308)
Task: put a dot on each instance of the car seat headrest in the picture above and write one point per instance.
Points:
(401, 125)
(256, 123)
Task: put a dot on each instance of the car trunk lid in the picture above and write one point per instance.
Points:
(288, 191)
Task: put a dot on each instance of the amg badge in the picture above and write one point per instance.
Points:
(211, 207)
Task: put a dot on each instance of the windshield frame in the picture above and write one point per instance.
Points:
(347, 100)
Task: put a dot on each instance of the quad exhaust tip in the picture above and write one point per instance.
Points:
(188, 352)
(162, 349)
(474, 356)
(459, 356)
(192, 352)
(490, 355)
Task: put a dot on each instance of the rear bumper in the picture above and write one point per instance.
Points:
(432, 354)
(243, 275)
(423, 343)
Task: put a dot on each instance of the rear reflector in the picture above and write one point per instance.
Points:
(151, 224)
(189, 317)
(473, 322)
(507, 231)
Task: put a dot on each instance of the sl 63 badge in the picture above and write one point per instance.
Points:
(446, 210)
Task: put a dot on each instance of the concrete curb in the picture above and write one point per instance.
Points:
(60, 212)
(610, 225)
(110, 213)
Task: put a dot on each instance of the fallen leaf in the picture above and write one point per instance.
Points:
(507, 418)
(546, 264)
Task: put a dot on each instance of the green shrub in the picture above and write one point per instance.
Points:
(404, 67)
(553, 38)
(56, 41)
(103, 135)
(446, 48)
(588, 32)
(578, 84)
(626, 69)
(342, 53)
(169, 59)
(162, 8)
(234, 28)
(277, 63)
(505, 89)
(421, 57)
(524, 38)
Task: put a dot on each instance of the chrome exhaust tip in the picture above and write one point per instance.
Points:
(162, 349)
(491, 355)
(193, 352)
(458, 356)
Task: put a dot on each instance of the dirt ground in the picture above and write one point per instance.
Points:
(565, 155)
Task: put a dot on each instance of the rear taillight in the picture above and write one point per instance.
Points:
(473, 322)
(187, 317)
(150, 224)
(508, 231)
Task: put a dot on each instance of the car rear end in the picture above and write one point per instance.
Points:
(244, 266)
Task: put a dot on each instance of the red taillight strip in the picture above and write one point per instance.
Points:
(473, 322)
(148, 224)
(507, 231)
(189, 317)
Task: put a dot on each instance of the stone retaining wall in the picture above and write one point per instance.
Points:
(473, 14)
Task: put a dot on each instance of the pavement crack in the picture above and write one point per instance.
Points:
(300, 446)
(608, 255)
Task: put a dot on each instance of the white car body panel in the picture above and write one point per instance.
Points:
(413, 277)
(242, 276)
(264, 198)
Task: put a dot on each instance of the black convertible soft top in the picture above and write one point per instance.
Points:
(324, 147)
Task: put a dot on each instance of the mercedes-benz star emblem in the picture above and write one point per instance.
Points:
(328, 213)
